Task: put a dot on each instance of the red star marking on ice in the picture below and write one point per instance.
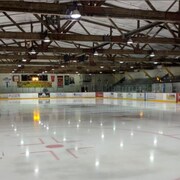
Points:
(58, 144)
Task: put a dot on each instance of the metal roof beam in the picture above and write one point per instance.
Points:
(143, 28)
(98, 59)
(59, 9)
(85, 38)
(89, 50)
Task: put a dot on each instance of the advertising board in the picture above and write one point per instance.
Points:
(99, 94)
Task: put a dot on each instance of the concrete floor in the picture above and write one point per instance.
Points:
(85, 139)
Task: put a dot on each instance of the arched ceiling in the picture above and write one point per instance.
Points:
(105, 26)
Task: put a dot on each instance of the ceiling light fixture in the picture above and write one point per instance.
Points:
(32, 51)
(152, 54)
(46, 39)
(130, 41)
(96, 53)
(75, 14)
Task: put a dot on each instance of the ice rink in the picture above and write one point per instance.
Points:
(89, 139)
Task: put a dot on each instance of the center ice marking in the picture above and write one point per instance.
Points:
(53, 146)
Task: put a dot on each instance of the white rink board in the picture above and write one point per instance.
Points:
(161, 97)
(29, 95)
